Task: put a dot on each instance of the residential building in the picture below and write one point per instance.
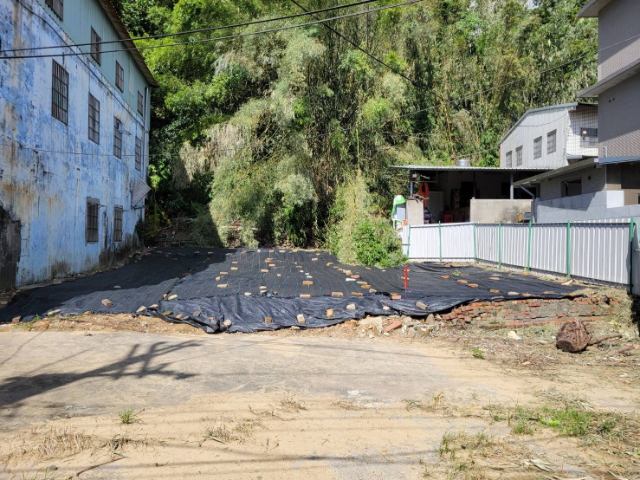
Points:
(618, 86)
(606, 187)
(592, 189)
(74, 132)
(551, 137)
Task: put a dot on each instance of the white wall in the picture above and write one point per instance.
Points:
(535, 125)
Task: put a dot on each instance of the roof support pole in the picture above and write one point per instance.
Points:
(511, 185)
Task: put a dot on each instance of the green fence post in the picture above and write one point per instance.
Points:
(632, 226)
(409, 242)
(529, 249)
(440, 236)
(475, 244)
(568, 248)
(500, 246)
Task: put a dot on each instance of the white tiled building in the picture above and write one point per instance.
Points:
(551, 137)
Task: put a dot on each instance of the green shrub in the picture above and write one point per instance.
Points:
(377, 244)
(204, 232)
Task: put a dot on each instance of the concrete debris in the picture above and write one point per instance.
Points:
(421, 305)
(141, 309)
(301, 319)
(227, 323)
(173, 297)
(512, 335)
(16, 319)
(351, 306)
(107, 303)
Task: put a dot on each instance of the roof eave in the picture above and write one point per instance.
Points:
(124, 35)
(536, 110)
(612, 80)
(592, 9)
(536, 179)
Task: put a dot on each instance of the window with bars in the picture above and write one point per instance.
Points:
(117, 224)
(588, 137)
(91, 226)
(509, 160)
(551, 141)
(57, 6)
(119, 77)
(518, 156)
(140, 104)
(117, 137)
(94, 119)
(537, 147)
(60, 93)
(96, 47)
(138, 154)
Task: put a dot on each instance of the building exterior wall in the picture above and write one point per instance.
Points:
(44, 180)
(496, 211)
(617, 22)
(566, 121)
(604, 205)
(593, 180)
(619, 134)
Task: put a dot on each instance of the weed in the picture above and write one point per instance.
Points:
(522, 427)
(346, 405)
(478, 353)
(239, 432)
(457, 273)
(127, 417)
(291, 403)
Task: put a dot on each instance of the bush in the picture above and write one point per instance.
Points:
(377, 244)
(204, 232)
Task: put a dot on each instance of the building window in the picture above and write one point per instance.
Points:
(119, 77)
(96, 47)
(509, 160)
(537, 147)
(57, 6)
(117, 224)
(572, 188)
(588, 137)
(138, 154)
(551, 141)
(518, 156)
(60, 93)
(140, 104)
(91, 227)
(94, 119)
(117, 137)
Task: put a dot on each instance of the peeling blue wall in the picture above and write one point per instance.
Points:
(43, 188)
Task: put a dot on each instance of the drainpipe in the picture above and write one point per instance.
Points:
(511, 186)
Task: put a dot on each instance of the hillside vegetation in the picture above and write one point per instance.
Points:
(290, 134)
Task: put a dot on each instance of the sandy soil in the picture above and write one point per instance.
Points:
(466, 429)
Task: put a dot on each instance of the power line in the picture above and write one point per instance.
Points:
(359, 47)
(189, 32)
(415, 112)
(227, 37)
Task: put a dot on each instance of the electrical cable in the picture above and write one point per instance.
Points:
(225, 37)
(189, 32)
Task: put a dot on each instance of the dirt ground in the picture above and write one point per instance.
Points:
(467, 404)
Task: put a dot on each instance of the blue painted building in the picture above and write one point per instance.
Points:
(74, 132)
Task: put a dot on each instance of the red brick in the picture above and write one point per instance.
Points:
(393, 326)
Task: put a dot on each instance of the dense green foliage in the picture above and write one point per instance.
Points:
(270, 130)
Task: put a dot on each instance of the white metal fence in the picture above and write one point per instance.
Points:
(595, 251)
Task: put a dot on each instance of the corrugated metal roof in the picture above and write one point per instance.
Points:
(612, 80)
(592, 9)
(553, 173)
(449, 168)
(574, 167)
(138, 193)
(542, 109)
(117, 23)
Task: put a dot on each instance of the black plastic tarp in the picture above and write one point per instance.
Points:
(207, 287)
